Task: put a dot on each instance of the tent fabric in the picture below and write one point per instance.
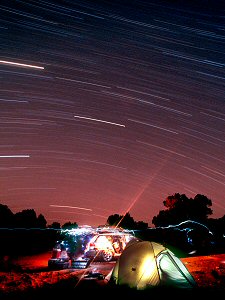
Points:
(145, 264)
(173, 272)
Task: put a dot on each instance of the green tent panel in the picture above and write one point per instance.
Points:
(145, 264)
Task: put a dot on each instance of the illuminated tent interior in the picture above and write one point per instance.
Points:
(145, 264)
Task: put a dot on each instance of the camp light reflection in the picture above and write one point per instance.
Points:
(147, 271)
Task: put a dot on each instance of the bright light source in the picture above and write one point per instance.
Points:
(5, 62)
(13, 156)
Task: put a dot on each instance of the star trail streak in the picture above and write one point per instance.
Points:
(54, 205)
(16, 64)
(14, 156)
(98, 120)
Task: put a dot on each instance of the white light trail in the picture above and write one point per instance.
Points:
(148, 124)
(200, 173)
(53, 205)
(14, 156)
(78, 213)
(98, 120)
(19, 64)
(162, 148)
(84, 82)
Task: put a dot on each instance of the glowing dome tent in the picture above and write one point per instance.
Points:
(145, 264)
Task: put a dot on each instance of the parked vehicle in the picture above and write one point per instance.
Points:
(79, 247)
(106, 246)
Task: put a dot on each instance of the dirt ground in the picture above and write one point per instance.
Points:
(31, 274)
(208, 271)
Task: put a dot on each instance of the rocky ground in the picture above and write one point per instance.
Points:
(208, 271)
(30, 276)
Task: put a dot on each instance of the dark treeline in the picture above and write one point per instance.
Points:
(184, 224)
(178, 208)
(27, 218)
(25, 232)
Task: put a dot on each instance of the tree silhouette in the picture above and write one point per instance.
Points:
(141, 225)
(126, 222)
(55, 225)
(28, 232)
(113, 220)
(69, 225)
(27, 218)
(200, 207)
(6, 217)
(41, 221)
(181, 208)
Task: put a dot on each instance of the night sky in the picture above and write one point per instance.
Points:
(111, 106)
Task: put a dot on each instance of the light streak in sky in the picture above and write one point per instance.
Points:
(98, 120)
(162, 148)
(84, 82)
(140, 92)
(151, 125)
(212, 116)
(76, 207)
(30, 188)
(148, 182)
(135, 200)
(200, 173)
(102, 163)
(214, 171)
(20, 65)
(14, 156)
(76, 213)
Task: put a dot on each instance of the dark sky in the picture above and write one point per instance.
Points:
(110, 106)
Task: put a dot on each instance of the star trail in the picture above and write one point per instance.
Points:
(110, 106)
(19, 64)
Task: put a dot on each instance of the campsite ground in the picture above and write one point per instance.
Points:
(32, 274)
(208, 271)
